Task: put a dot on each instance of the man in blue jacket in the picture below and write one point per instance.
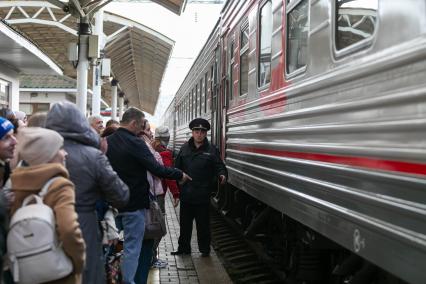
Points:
(202, 162)
(131, 159)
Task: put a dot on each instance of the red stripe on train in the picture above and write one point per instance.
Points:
(372, 163)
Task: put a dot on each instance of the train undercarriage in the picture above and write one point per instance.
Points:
(293, 251)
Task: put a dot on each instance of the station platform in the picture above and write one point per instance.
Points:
(188, 268)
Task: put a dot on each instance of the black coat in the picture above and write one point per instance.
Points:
(3, 231)
(131, 158)
(204, 166)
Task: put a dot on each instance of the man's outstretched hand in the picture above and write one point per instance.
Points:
(184, 178)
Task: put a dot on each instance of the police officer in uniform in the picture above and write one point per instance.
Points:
(200, 160)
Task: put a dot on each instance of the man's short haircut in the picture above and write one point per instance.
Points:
(132, 114)
(93, 118)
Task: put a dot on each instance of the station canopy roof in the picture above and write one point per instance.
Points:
(20, 53)
(176, 6)
(139, 55)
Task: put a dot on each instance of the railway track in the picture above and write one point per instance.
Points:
(239, 257)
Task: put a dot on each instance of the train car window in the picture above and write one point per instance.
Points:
(201, 96)
(194, 103)
(211, 88)
(178, 114)
(231, 71)
(297, 35)
(215, 77)
(244, 59)
(189, 107)
(265, 22)
(356, 22)
(194, 107)
(206, 86)
(200, 102)
(197, 101)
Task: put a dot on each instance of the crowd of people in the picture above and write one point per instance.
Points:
(100, 181)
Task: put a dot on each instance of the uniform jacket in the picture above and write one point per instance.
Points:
(131, 158)
(60, 197)
(167, 157)
(203, 165)
(93, 177)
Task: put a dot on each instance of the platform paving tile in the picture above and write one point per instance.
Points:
(188, 269)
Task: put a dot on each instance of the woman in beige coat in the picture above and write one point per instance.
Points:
(41, 150)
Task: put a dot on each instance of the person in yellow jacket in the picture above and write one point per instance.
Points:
(44, 158)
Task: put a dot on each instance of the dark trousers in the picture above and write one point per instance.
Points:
(201, 214)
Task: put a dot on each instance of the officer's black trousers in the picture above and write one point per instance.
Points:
(201, 214)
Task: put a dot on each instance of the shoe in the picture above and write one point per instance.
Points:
(160, 264)
(180, 252)
(205, 254)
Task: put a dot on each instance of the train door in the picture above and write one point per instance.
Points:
(227, 83)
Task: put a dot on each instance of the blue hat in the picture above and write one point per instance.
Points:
(5, 126)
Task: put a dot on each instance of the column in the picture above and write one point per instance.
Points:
(120, 105)
(97, 80)
(83, 66)
(114, 86)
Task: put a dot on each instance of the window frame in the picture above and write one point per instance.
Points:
(206, 90)
(290, 6)
(230, 67)
(196, 100)
(211, 83)
(178, 114)
(188, 107)
(201, 96)
(259, 38)
(357, 47)
(184, 110)
(242, 51)
(193, 102)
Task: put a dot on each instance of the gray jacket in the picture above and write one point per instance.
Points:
(93, 177)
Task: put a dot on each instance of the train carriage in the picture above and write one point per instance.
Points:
(197, 93)
(319, 108)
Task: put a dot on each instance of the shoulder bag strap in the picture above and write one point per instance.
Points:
(46, 186)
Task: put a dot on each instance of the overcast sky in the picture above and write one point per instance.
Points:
(189, 31)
